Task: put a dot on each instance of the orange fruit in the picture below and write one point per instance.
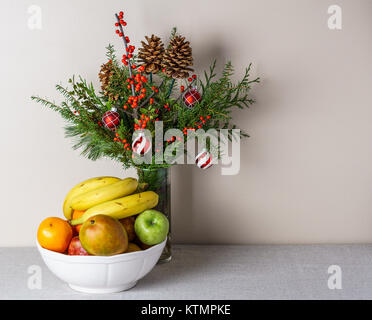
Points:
(76, 215)
(54, 234)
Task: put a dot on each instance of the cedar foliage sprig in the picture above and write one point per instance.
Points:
(83, 107)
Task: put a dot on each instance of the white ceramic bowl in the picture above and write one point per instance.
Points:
(98, 274)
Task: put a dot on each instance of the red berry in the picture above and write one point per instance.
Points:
(194, 76)
(120, 34)
(117, 31)
(190, 79)
(116, 24)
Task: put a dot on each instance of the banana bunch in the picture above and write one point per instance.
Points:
(109, 196)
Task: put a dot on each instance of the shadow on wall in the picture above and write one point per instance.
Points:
(182, 200)
(205, 53)
(190, 188)
(183, 209)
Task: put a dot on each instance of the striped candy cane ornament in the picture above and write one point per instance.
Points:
(204, 160)
(141, 145)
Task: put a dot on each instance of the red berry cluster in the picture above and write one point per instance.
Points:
(157, 112)
(203, 121)
(137, 80)
(174, 139)
(193, 77)
(126, 145)
(129, 49)
(187, 128)
(142, 122)
(198, 125)
(154, 89)
(129, 55)
(122, 22)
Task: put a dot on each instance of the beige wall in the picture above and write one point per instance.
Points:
(306, 173)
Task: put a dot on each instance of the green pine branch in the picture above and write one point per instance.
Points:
(83, 107)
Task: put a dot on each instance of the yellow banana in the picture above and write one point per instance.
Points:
(113, 191)
(123, 207)
(82, 187)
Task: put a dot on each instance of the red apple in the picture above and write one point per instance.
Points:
(75, 248)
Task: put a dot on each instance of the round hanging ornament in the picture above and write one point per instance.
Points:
(111, 119)
(191, 97)
(141, 145)
(204, 160)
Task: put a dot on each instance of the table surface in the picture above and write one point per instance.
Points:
(215, 272)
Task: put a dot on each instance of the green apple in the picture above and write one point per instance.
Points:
(151, 227)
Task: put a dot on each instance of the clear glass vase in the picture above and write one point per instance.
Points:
(158, 180)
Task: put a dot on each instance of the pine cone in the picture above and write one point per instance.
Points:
(178, 58)
(151, 54)
(104, 77)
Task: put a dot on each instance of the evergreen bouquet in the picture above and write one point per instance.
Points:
(156, 84)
